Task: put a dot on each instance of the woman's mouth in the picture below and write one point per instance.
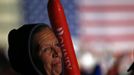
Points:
(57, 66)
(56, 62)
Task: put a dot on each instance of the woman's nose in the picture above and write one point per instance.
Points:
(56, 52)
(54, 55)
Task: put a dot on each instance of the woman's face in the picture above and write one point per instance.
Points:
(49, 51)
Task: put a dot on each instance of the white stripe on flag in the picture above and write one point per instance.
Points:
(108, 45)
(106, 30)
(106, 15)
(104, 2)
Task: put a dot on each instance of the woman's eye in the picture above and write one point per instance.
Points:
(46, 49)
(58, 44)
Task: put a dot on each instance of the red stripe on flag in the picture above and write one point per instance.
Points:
(105, 8)
(112, 38)
(107, 22)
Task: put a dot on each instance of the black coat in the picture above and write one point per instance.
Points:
(18, 51)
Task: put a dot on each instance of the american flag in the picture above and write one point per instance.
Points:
(106, 24)
(106, 29)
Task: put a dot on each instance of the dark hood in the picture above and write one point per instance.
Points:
(19, 50)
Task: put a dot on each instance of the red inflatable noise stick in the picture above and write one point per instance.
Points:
(60, 27)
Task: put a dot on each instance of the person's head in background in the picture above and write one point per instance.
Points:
(34, 50)
(46, 53)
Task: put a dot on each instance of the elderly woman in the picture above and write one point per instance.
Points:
(34, 50)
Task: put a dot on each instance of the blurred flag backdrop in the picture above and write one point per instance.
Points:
(110, 23)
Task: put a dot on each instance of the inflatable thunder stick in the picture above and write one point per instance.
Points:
(60, 27)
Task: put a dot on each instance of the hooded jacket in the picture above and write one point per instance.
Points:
(19, 50)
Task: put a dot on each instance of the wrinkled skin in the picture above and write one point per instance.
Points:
(49, 51)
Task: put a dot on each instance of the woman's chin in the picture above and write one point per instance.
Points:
(57, 68)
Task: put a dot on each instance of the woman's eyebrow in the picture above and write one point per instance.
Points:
(46, 46)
